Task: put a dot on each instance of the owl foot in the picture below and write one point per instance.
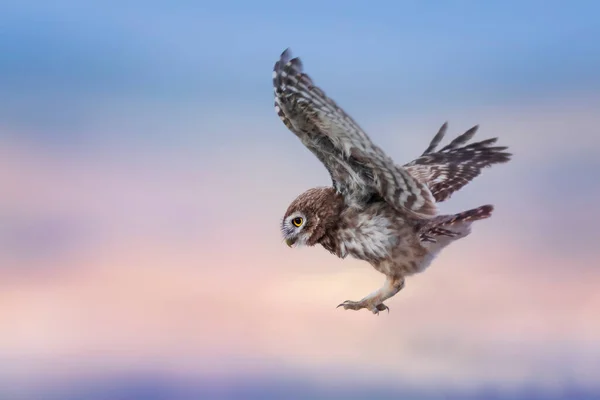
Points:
(359, 305)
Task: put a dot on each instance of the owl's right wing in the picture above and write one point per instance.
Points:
(358, 168)
(455, 165)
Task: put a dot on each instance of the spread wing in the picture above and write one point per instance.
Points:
(452, 167)
(358, 168)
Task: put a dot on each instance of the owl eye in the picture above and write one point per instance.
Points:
(297, 222)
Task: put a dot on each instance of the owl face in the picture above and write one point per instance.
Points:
(310, 216)
(296, 228)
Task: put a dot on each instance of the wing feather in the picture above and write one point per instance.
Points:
(358, 168)
(456, 164)
(436, 139)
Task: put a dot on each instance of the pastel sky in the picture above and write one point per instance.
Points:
(144, 172)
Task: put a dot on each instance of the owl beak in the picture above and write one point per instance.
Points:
(289, 242)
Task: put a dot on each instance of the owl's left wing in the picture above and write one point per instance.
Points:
(358, 168)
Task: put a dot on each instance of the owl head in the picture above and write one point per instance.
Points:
(310, 216)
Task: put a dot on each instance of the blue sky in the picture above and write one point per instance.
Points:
(65, 55)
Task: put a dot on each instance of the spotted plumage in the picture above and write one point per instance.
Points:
(375, 210)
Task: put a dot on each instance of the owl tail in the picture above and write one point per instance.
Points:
(453, 226)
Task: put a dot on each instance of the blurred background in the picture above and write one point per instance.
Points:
(144, 172)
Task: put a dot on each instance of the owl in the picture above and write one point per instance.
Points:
(375, 210)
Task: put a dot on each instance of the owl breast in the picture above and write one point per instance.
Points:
(371, 234)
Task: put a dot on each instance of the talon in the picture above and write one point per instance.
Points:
(351, 305)
(382, 307)
(343, 303)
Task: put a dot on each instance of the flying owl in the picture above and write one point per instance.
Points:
(375, 210)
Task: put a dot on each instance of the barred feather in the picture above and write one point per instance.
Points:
(436, 139)
(456, 164)
(440, 226)
(359, 169)
(461, 139)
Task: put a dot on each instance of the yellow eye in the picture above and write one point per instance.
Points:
(297, 222)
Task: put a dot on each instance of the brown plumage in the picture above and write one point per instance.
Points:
(375, 211)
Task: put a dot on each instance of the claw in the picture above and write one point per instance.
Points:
(382, 307)
(345, 303)
(358, 305)
(350, 305)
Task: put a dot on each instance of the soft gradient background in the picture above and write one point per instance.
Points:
(143, 175)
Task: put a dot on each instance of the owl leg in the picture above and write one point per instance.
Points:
(374, 301)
